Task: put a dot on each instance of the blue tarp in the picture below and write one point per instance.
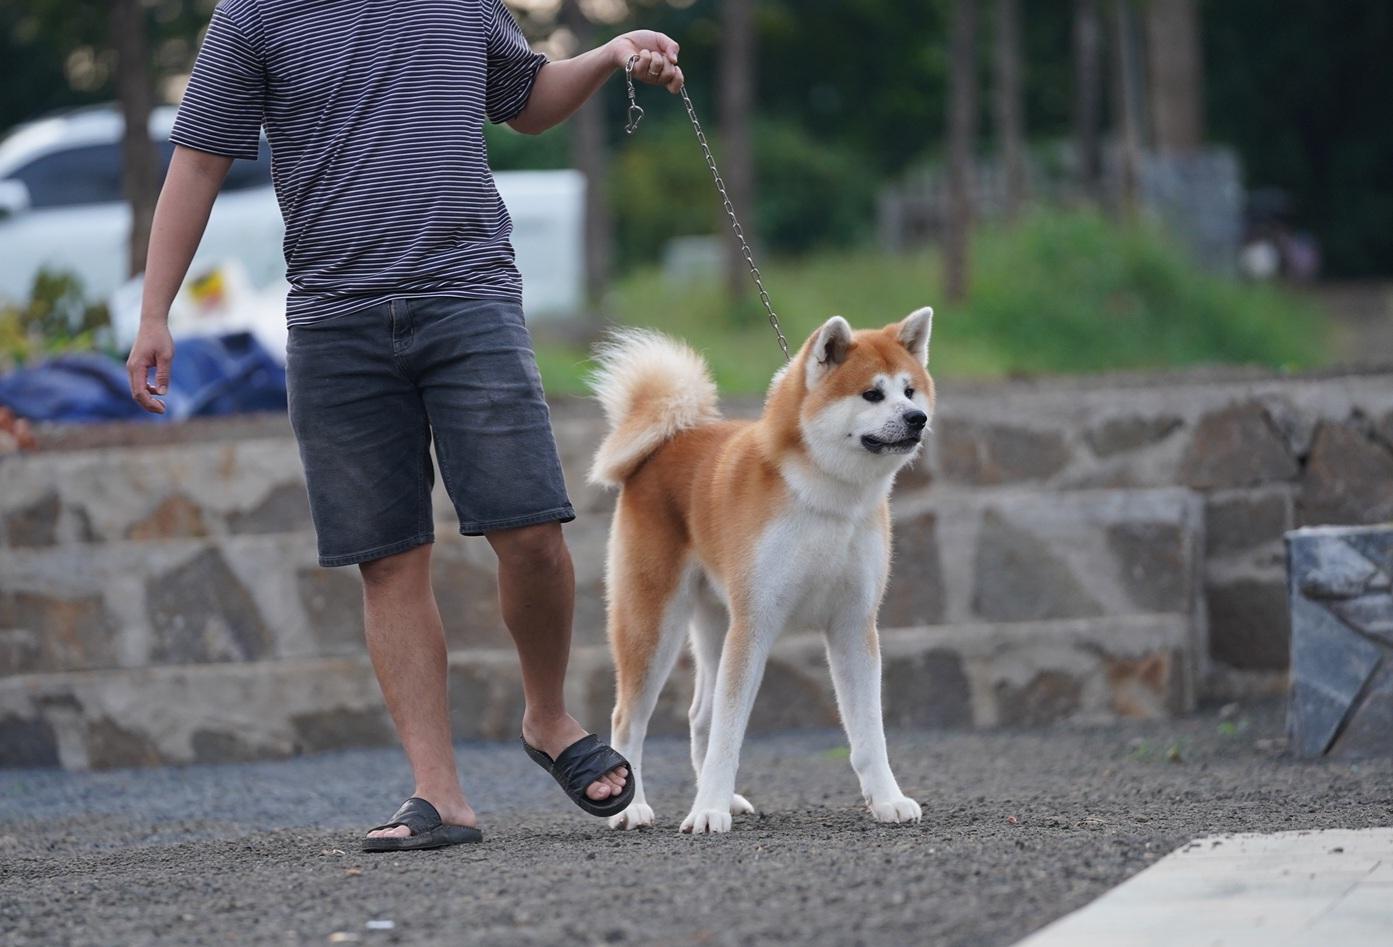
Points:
(211, 375)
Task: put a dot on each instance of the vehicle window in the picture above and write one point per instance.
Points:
(91, 174)
(87, 175)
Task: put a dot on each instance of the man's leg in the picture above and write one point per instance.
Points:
(407, 644)
(537, 588)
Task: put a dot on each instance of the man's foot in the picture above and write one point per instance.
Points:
(553, 736)
(455, 812)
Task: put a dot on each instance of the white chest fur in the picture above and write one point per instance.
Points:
(813, 570)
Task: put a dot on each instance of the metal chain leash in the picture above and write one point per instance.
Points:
(635, 116)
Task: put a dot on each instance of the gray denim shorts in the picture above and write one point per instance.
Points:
(371, 389)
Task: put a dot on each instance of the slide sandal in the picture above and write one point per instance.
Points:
(427, 830)
(579, 765)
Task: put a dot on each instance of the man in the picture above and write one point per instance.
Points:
(406, 327)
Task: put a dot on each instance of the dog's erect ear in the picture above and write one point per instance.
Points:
(914, 333)
(830, 345)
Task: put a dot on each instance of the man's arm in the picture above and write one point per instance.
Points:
(180, 216)
(564, 86)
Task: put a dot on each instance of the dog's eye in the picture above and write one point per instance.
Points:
(873, 395)
(909, 392)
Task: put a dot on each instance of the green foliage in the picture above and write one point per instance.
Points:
(56, 318)
(810, 194)
(1061, 292)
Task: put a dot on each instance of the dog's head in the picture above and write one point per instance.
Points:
(866, 397)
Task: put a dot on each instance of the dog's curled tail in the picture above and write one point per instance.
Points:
(651, 387)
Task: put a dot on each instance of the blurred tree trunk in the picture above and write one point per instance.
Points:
(590, 155)
(139, 162)
(1010, 107)
(962, 124)
(1088, 81)
(1129, 90)
(737, 80)
(1176, 73)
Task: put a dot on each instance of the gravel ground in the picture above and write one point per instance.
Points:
(1019, 828)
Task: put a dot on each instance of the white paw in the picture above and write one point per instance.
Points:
(902, 809)
(637, 815)
(739, 805)
(701, 821)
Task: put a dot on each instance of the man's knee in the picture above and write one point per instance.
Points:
(533, 547)
(410, 566)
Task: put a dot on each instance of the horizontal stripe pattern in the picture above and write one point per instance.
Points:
(375, 113)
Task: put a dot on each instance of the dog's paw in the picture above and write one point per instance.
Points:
(902, 809)
(636, 816)
(739, 805)
(701, 821)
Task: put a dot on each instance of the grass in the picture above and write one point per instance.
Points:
(1058, 293)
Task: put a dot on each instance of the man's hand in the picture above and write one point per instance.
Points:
(657, 58)
(154, 348)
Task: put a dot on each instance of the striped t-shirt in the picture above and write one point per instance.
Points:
(375, 114)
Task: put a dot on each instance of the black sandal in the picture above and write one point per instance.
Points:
(581, 764)
(427, 830)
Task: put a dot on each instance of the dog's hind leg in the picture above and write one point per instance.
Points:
(650, 608)
(853, 655)
(709, 622)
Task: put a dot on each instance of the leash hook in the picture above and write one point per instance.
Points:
(635, 110)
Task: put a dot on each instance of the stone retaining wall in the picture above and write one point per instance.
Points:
(174, 554)
(973, 675)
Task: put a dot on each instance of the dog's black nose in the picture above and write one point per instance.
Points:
(916, 420)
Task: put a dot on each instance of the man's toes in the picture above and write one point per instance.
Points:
(396, 831)
(598, 790)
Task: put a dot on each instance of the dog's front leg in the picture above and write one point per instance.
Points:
(737, 681)
(853, 655)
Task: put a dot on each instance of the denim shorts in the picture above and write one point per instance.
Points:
(371, 389)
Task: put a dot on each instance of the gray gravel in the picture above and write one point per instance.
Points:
(1019, 828)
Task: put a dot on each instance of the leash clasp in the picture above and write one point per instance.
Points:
(635, 110)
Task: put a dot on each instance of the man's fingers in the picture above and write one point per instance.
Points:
(136, 372)
(656, 65)
(677, 81)
(668, 47)
(162, 362)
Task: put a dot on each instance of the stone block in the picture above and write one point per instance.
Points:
(333, 603)
(1147, 687)
(1249, 626)
(285, 509)
(1047, 697)
(1122, 434)
(33, 525)
(1348, 479)
(984, 454)
(929, 689)
(1237, 521)
(175, 517)
(1236, 446)
(200, 612)
(52, 632)
(1019, 577)
(914, 595)
(467, 594)
(1341, 700)
(1152, 561)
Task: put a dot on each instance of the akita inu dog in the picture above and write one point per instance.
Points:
(728, 532)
